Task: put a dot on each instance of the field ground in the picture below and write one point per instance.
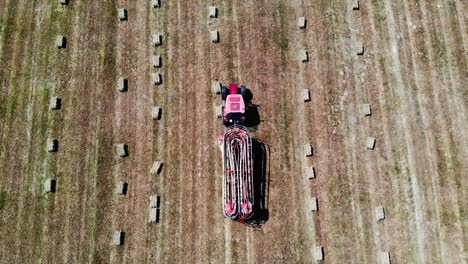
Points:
(414, 74)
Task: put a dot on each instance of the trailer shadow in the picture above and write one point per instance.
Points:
(261, 180)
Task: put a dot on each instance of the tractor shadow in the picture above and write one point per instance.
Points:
(261, 181)
(252, 116)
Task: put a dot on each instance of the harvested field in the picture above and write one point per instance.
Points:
(413, 73)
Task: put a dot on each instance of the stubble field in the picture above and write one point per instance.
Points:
(413, 73)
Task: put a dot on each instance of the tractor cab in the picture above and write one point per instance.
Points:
(234, 107)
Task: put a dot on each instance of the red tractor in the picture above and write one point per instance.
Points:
(235, 106)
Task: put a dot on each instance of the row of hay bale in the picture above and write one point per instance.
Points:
(154, 209)
(122, 86)
(51, 183)
(60, 40)
(358, 46)
(213, 14)
(121, 188)
(156, 60)
(365, 110)
(52, 144)
(122, 83)
(122, 152)
(310, 172)
(55, 103)
(216, 88)
(122, 13)
(156, 77)
(304, 54)
(312, 203)
(121, 148)
(383, 257)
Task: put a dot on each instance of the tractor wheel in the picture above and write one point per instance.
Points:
(224, 93)
(243, 90)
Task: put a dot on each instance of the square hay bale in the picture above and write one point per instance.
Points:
(156, 167)
(212, 12)
(302, 22)
(355, 4)
(310, 172)
(313, 204)
(366, 109)
(122, 84)
(156, 113)
(157, 78)
(55, 103)
(157, 39)
(308, 150)
(122, 150)
(384, 257)
(60, 41)
(52, 145)
(50, 185)
(219, 111)
(304, 55)
(379, 213)
(214, 36)
(157, 61)
(64, 2)
(155, 201)
(121, 188)
(306, 95)
(370, 143)
(118, 238)
(318, 253)
(153, 215)
(217, 87)
(359, 48)
(155, 3)
(122, 12)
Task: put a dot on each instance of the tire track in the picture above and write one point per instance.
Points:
(449, 138)
(203, 109)
(219, 247)
(389, 143)
(73, 157)
(174, 199)
(188, 113)
(443, 138)
(403, 96)
(22, 98)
